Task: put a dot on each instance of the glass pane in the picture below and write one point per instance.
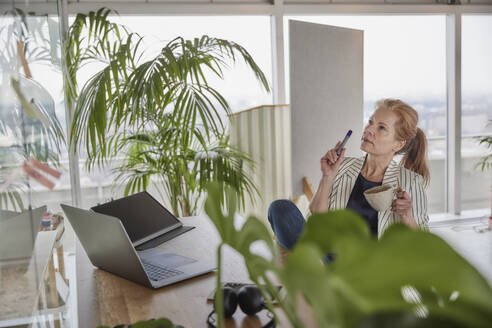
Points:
(404, 58)
(476, 110)
(36, 271)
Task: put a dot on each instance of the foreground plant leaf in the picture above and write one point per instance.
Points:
(409, 278)
(406, 270)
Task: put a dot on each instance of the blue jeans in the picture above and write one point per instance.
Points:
(288, 223)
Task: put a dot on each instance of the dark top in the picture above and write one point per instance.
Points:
(358, 203)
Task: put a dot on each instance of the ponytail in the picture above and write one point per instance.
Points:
(414, 156)
(414, 151)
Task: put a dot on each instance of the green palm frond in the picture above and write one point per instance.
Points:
(485, 162)
(100, 106)
(228, 165)
(181, 171)
(125, 94)
(91, 38)
(176, 78)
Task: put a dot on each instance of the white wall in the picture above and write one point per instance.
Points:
(326, 78)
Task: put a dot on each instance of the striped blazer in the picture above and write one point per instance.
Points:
(395, 175)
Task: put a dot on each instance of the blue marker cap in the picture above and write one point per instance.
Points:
(347, 136)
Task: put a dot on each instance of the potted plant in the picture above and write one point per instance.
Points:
(181, 171)
(153, 323)
(162, 115)
(400, 280)
(485, 164)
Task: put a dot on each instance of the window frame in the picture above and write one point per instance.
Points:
(277, 9)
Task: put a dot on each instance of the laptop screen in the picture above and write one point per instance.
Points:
(141, 215)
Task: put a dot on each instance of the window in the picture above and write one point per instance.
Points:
(45, 87)
(404, 57)
(32, 123)
(239, 86)
(476, 119)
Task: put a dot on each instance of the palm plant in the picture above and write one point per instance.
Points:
(180, 171)
(159, 113)
(485, 162)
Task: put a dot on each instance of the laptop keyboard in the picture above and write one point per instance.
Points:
(158, 273)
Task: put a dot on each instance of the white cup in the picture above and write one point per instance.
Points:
(380, 197)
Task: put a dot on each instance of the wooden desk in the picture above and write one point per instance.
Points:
(104, 298)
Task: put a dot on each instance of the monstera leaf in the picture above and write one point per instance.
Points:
(153, 323)
(406, 271)
(408, 278)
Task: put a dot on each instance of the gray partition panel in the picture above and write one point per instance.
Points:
(326, 78)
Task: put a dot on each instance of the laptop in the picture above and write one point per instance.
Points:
(109, 248)
(146, 221)
(18, 231)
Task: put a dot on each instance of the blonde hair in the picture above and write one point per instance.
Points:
(414, 151)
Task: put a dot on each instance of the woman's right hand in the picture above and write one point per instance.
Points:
(331, 162)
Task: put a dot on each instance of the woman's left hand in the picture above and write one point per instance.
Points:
(402, 206)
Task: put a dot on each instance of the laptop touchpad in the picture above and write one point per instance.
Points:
(163, 258)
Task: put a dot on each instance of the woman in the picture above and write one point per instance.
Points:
(392, 130)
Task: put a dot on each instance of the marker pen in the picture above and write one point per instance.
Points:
(347, 136)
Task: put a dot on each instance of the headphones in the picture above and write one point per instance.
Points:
(250, 301)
